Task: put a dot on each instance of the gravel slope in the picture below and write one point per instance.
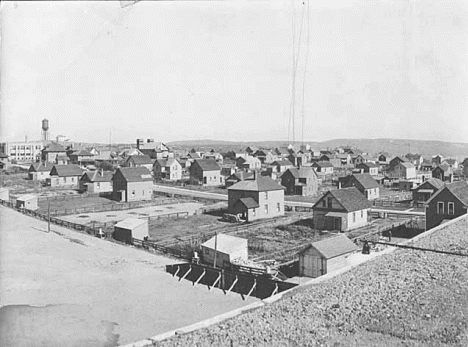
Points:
(406, 298)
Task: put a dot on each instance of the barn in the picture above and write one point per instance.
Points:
(129, 229)
(325, 256)
(227, 248)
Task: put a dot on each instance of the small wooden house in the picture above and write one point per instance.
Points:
(323, 167)
(65, 176)
(425, 190)
(227, 249)
(325, 256)
(96, 182)
(132, 184)
(27, 201)
(39, 171)
(365, 183)
(206, 172)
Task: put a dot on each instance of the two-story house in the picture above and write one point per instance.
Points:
(443, 172)
(425, 190)
(132, 184)
(139, 161)
(302, 181)
(365, 183)
(248, 162)
(403, 170)
(256, 198)
(167, 169)
(370, 168)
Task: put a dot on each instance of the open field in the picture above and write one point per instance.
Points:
(405, 298)
(69, 289)
(73, 202)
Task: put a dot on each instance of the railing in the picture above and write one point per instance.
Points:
(166, 250)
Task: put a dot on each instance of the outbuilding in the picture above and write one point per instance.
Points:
(227, 249)
(28, 202)
(325, 256)
(129, 229)
(4, 194)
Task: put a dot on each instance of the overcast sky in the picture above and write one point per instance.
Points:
(224, 70)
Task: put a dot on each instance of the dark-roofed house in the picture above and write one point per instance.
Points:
(65, 176)
(257, 198)
(237, 177)
(51, 152)
(395, 161)
(82, 157)
(282, 165)
(365, 183)
(325, 256)
(39, 171)
(248, 162)
(323, 167)
(96, 181)
(302, 181)
(343, 210)
(453, 163)
(167, 169)
(443, 172)
(227, 248)
(206, 172)
(370, 168)
(425, 190)
(139, 161)
(132, 184)
(449, 202)
(404, 170)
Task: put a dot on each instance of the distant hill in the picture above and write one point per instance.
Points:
(393, 146)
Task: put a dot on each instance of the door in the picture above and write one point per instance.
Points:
(337, 223)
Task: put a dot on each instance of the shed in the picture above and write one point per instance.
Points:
(227, 247)
(28, 201)
(129, 229)
(325, 256)
(4, 194)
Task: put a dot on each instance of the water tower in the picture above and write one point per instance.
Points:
(45, 130)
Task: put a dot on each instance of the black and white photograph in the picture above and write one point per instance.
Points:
(234, 173)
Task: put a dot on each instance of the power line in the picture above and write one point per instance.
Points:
(305, 68)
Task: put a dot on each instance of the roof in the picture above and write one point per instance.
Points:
(248, 202)
(444, 167)
(303, 171)
(459, 189)
(54, 147)
(82, 152)
(135, 174)
(259, 184)
(284, 162)
(26, 197)
(240, 175)
(334, 246)
(323, 164)
(130, 223)
(208, 164)
(140, 159)
(166, 162)
(39, 167)
(406, 164)
(3, 155)
(368, 164)
(350, 198)
(68, 170)
(96, 176)
(226, 243)
(365, 180)
(435, 182)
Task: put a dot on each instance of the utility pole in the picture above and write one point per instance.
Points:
(216, 248)
(48, 216)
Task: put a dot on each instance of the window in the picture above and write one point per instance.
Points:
(266, 195)
(204, 180)
(362, 213)
(73, 179)
(354, 217)
(65, 180)
(324, 203)
(98, 185)
(329, 201)
(440, 207)
(278, 207)
(220, 180)
(451, 208)
(133, 193)
(253, 212)
(266, 209)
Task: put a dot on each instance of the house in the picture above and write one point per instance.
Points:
(323, 167)
(365, 183)
(27, 201)
(394, 162)
(3, 160)
(404, 170)
(465, 167)
(452, 163)
(302, 181)
(443, 172)
(65, 176)
(206, 172)
(106, 156)
(237, 177)
(39, 171)
(132, 184)
(82, 157)
(358, 159)
(283, 152)
(425, 190)
(129, 229)
(415, 159)
(249, 163)
(155, 150)
(282, 165)
(426, 165)
(437, 159)
(370, 168)
(96, 181)
(167, 169)
(342, 210)
(450, 201)
(62, 159)
(51, 152)
(257, 198)
(224, 248)
(383, 157)
(139, 161)
(214, 155)
(124, 154)
(325, 256)
(251, 150)
(295, 159)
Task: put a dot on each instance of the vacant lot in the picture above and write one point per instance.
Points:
(68, 289)
(73, 201)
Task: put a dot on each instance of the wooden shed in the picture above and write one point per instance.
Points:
(227, 248)
(27, 201)
(325, 256)
(129, 229)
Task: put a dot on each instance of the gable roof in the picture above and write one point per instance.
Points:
(406, 164)
(208, 164)
(302, 172)
(39, 167)
(368, 164)
(67, 170)
(130, 223)
(97, 176)
(283, 162)
(54, 147)
(135, 174)
(435, 182)
(248, 202)
(351, 199)
(240, 176)
(365, 180)
(322, 164)
(259, 184)
(334, 246)
(459, 189)
(82, 152)
(140, 159)
(226, 243)
(443, 167)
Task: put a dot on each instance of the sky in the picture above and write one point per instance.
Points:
(224, 70)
